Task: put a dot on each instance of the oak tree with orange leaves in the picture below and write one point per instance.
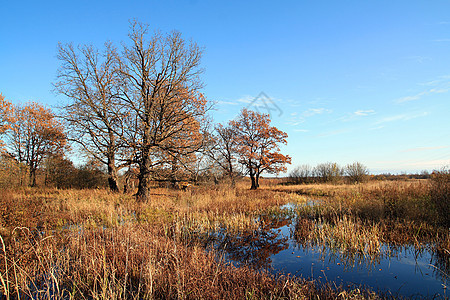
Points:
(161, 92)
(34, 133)
(5, 112)
(259, 145)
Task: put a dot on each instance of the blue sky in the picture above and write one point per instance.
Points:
(365, 81)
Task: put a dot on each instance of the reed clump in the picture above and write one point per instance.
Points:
(130, 261)
(349, 236)
(387, 200)
(361, 218)
(397, 201)
(440, 195)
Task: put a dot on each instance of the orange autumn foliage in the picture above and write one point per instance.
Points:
(5, 112)
(258, 145)
(161, 87)
(34, 133)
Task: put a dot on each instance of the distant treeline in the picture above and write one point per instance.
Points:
(56, 171)
(331, 172)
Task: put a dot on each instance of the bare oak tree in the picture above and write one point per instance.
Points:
(94, 117)
(224, 151)
(161, 91)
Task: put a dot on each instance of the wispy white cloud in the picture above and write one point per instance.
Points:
(357, 114)
(223, 102)
(436, 163)
(410, 98)
(243, 100)
(301, 130)
(445, 40)
(364, 112)
(297, 118)
(315, 111)
(333, 132)
(410, 164)
(419, 149)
(261, 103)
(441, 81)
(246, 99)
(401, 117)
(377, 127)
(438, 91)
(295, 122)
(294, 103)
(418, 58)
(421, 94)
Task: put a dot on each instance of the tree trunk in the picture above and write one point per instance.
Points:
(174, 170)
(231, 174)
(129, 185)
(112, 176)
(46, 181)
(143, 193)
(233, 180)
(257, 180)
(129, 182)
(32, 177)
(253, 179)
(254, 185)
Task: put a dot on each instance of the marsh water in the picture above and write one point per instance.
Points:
(401, 271)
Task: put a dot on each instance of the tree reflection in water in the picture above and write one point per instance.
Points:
(397, 268)
(253, 248)
(439, 261)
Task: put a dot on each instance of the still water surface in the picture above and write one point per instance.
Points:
(404, 271)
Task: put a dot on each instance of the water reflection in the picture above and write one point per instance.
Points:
(399, 271)
(253, 248)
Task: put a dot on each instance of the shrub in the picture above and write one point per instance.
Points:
(328, 172)
(356, 172)
(301, 174)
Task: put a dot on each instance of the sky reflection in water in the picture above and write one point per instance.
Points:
(406, 271)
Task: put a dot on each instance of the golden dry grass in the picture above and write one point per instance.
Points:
(94, 244)
(359, 219)
(77, 244)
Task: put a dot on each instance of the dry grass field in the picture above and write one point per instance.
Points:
(93, 244)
